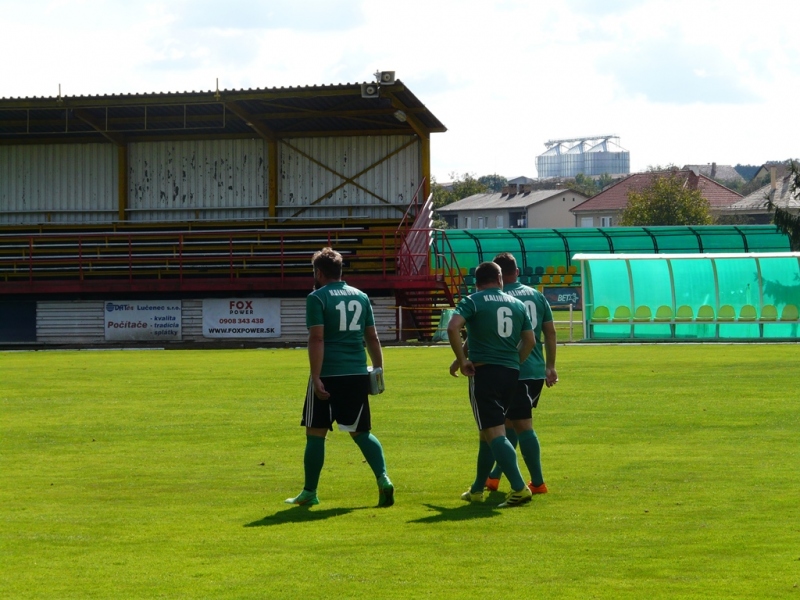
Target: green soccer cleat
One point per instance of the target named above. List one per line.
(385, 493)
(517, 498)
(305, 498)
(470, 496)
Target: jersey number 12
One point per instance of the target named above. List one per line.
(355, 309)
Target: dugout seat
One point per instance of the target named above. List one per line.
(705, 313)
(726, 313)
(622, 314)
(789, 313)
(748, 313)
(572, 270)
(663, 314)
(568, 279)
(550, 270)
(643, 314)
(545, 279)
(600, 314)
(684, 313)
(769, 313)
(561, 270)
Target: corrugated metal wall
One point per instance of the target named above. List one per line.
(305, 184)
(58, 183)
(81, 322)
(198, 180)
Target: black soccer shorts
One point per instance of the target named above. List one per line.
(348, 404)
(491, 391)
(526, 398)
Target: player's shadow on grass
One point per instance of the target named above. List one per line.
(466, 512)
(301, 514)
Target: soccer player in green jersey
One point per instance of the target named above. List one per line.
(340, 322)
(500, 338)
(534, 373)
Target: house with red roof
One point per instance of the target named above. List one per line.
(605, 209)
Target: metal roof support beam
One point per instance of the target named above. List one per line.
(350, 180)
(424, 135)
(115, 139)
(254, 124)
(272, 186)
(122, 182)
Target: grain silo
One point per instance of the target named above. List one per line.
(549, 164)
(590, 155)
(573, 159)
(607, 157)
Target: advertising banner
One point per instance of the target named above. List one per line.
(564, 296)
(241, 317)
(143, 320)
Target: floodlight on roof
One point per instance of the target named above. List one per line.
(400, 116)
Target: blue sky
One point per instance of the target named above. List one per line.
(679, 81)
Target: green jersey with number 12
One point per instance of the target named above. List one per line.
(539, 312)
(345, 312)
(495, 322)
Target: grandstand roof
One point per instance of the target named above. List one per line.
(271, 113)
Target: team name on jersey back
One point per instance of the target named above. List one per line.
(522, 291)
(495, 298)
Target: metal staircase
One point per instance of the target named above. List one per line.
(430, 282)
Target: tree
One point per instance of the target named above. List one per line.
(666, 201)
(461, 187)
(787, 222)
(493, 182)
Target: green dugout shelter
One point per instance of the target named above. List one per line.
(537, 249)
(701, 297)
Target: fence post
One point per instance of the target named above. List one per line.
(570, 321)
(399, 324)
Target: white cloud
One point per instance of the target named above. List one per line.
(679, 81)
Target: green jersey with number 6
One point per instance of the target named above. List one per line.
(539, 312)
(345, 312)
(494, 323)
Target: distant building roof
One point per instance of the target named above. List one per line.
(522, 180)
(781, 168)
(781, 196)
(715, 171)
(493, 201)
(615, 197)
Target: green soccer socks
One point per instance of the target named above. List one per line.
(506, 457)
(531, 453)
(485, 462)
(373, 451)
(512, 437)
(313, 460)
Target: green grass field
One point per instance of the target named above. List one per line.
(673, 471)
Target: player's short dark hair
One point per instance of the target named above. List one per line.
(507, 263)
(329, 262)
(487, 272)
